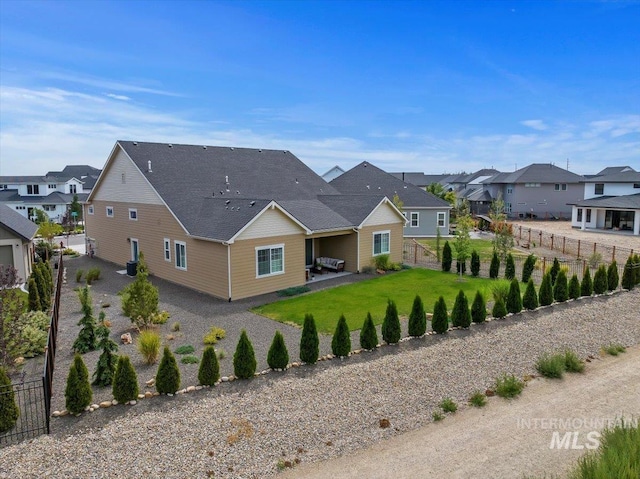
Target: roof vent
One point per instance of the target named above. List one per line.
(149, 166)
(252, 203)
(204, 147)
(135, 143)
(368, 187)
(227, 202)
(365, 164)
(260, 150)
(170, 145)
(226, 179)
(405, 187)
(231, 148)
(237, 192)
(296, 181)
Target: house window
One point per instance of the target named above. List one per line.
(49, 207)
(507, 207)
(133, 214)
(167, 249)
(109, 211)
(532, 185)
(588, 215)
(124, 178)
(181, 255)
(53, 186)
(3, 187)
(636, 185)
(269, 260)
(381, 242)
(90, 209)
(21, 207)
(33, 189)
(561, 187)
(599, 189)
(509, 190)
(72, 189)
(579, 217)
(441, 218)
(414, 219)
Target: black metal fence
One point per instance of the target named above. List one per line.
(33, 397)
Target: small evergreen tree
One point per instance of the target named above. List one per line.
(140, 298)
(417, 318)
(244, 359)
(574, 287)
(278, 356)
(125, 381)
(545, 294)
(106, 367)
(528, 267)
(628, 275)
(586, 286)
(368, 334)
(34, 296)
(45, 270)
(475, 263)
(612, 276)
(530, 298)
(514, 298)
(478, 308)
(460, 314)
(447, 257)
(309, 342)
(440, 319)
(43, 289)
(391, 324)
(555, 269)
(560, 289)
(600, 280)
(510, 268)
(168, 375)
(9, 411)
(209, 370)
(78, 393)
(494, 269)
(499, 309)
(86, 340)
(341, 341)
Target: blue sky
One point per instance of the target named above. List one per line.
(409, 86)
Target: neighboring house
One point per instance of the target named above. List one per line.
(425, 213)
(332, 173)
(231, 222)
(16, 241)
(52, 193)
(611, 201)
(540, 190)
(470, 188)
(419, 179)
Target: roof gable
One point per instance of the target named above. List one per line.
(536, 173)
(17, 223)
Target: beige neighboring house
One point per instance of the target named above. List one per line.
(231, 222)
(16, 241)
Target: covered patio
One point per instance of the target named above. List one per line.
(608, 213)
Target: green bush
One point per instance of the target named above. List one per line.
(175, 327)
(560, 288)
(309, 342)
(34, 331)
(106, 367)
(574, 287)
(437, 416)
(554, 270)
(43, 287)
(440, 319)
(494, 268)
(586, 286)
(614, 349)
(189, 359)
(168, 375)
(9, 411)
(530, 298)
(391, 324)
(448, 405)
(86, 340)
(628, 275)
(34, 296)
(93, 275)
(500, 290)
(209, 370)
(244, 359)
(184, 349)
(368, 334)
(510, 268)
(293, 291)
(417, 318)
(528, 267)
(545, 295)
(149, 345)
(460, 314)
(140, 298)
(600, 280)
(613, 278)
(514, 299)
(278, 356)
(341, 341)
(478, 399)
(478, 308)
(79, 273)
(125, 381)
(475, 263)
(508, 386)
(572, 362)
(382, 262)
(499, 309)
(214, 335)
(447, 257)
(551, 366)
(78, 393)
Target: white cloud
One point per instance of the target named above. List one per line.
(535, 124)
(118, 97)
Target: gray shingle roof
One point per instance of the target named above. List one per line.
(355, 208)
(609, 170)
(617, 177)
(619, 202)
(537, 173)
(316, 215)
(17, 223)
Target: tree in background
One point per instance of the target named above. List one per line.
(398, 203)
(555, 269)
(528, 267)
(34, 296)
(309, 342)
(502, 231)
(12, 306)
(494, 268)
(510, 268)
(368, 334)
(447, 257)
(475, 263)
(75, 207)
(441, 192)
(463, 241)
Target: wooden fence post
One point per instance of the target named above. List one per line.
(541, 239)
(415, 254)
(551, 242)
(564, 241)
(594, 247)
(578, 249)
(544, 265)
(529, 236)
(613, 256)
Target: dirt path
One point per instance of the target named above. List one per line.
(494, 441)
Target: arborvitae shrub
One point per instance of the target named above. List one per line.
(612, 276)
(545, 294)
(555, 269)
(45, 301)
(600, 280)
(309, 342)
(586, 286)
(9, 411)
(341, 341)
(417, 318)
(460, 315)
(209, 370)
(475, 263)
(440, 319)
(368, 334)
(244, 359)
(560, 288)
(478, 308)
(530, 298)
(168, 375)
(628, 274)
(278, 356)
(125, 381)
(499, 309)
(494, 269)
(106, 367)
(34, 296)
(447, 257)
(574, 287)
(510, 268)
(78, 392)
(514, 298)
(86, 340)
(528, 267)
(391, 324)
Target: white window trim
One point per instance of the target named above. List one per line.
(176, 244)
(269, 247)
(167, 249)
(90, 209)
(135, 211)
(373, 242)
(417, 217)
(112, 211)
(441, 216)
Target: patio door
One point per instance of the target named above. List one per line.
(134, 249)
(308, 252)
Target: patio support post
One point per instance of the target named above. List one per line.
(636, 223)
(583, 226)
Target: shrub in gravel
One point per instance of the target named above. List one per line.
(560, 288)
(530, 298)
(475, 263)
(460, 315)
(214, 335)
(106, 367)
(309, 342)
(572, 362)
(149, 345)
(478, 399)
(278, 356)
(551, 366)
(574, 287)
(391, 324)
(448, 405)
(600, 280)
(93, 275)
(86, 340)
(554, 270)
(189, 359)
(508, 386)
(613, 279)
(437, 416)
(510, 268)
(140, 298)
(368, 334)
(184, 349)
(341, 341)
(528, 267)
(417, 318)
(168, 375)
(244, 359)
(614, 349)
(447, 257)
(9, 411)
(34, 296)
(586, 286)
(628, 275)
(440, 318)
(545, 294)
(514, 299)
(79, 274)
(494, 268)
(125, 381)
(78, 393)
(478, 308)
(499, 310)
(209, 370)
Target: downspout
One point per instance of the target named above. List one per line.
(357, 249)
(229, 269)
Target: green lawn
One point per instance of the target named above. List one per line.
(354, 300)
(482, 246)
